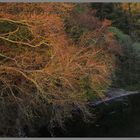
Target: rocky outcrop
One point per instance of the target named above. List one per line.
(115, 94)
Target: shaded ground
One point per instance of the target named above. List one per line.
(118, 116)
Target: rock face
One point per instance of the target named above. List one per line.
(115, 95)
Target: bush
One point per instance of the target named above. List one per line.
(127, 73)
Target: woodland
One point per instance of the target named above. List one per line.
(55, 58)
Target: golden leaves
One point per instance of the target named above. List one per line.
(48, 62)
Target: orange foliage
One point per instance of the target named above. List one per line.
(46, 69)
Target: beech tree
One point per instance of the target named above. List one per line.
(43, 71)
